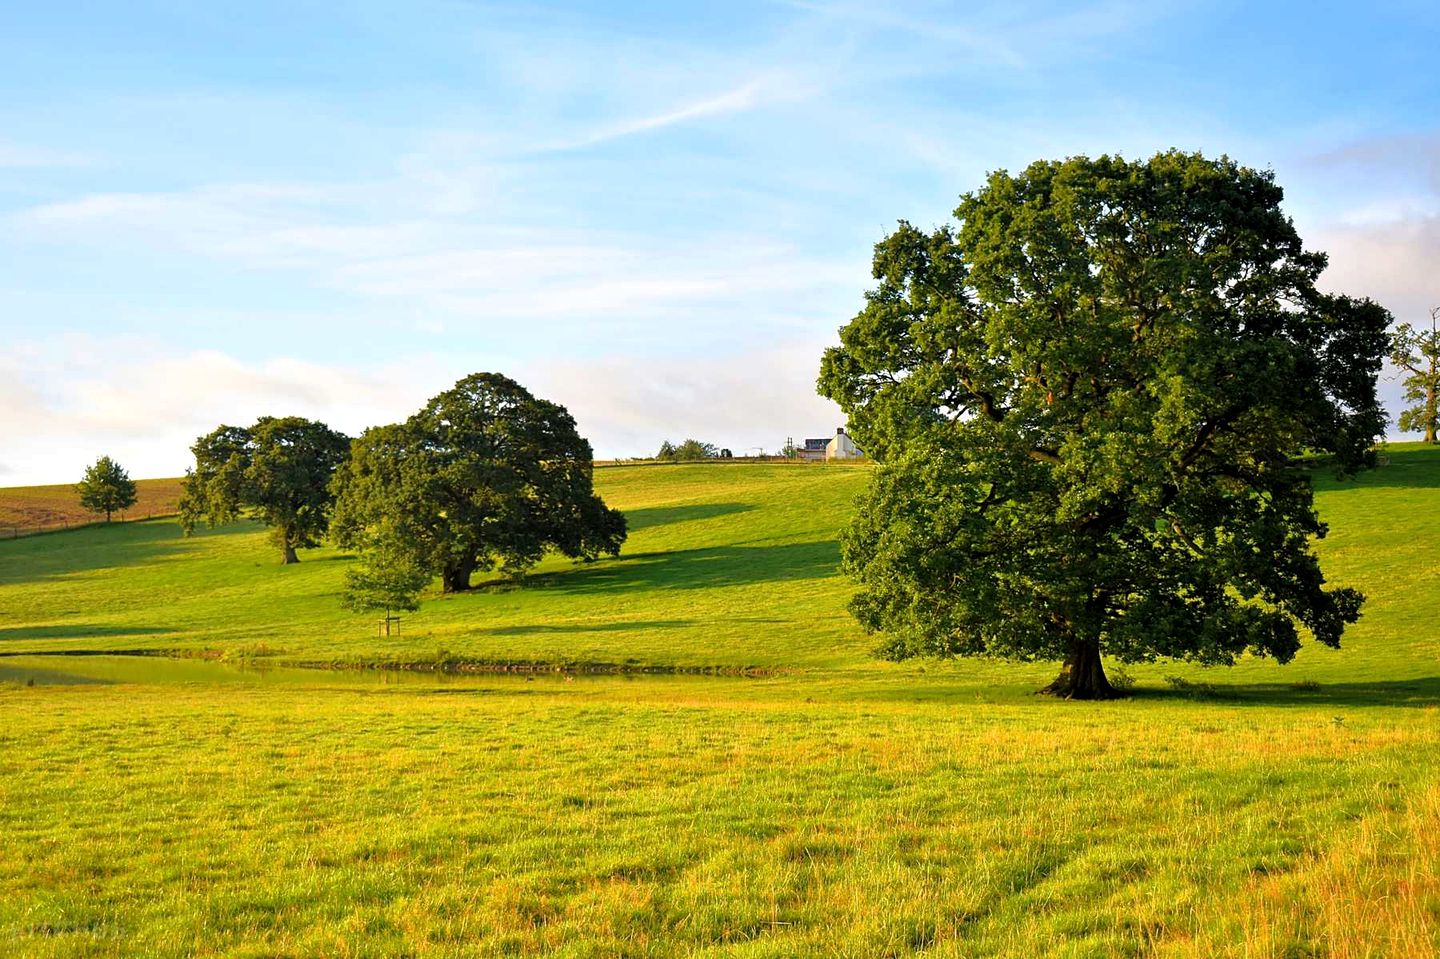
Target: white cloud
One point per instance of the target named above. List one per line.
(1392, 261)
(741, 400)
(63, 411)
(146, 405)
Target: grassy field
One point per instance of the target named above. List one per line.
(829, 805)
(30, 509)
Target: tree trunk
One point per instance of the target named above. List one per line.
(290, 556)
(455, 577)
(1430, 410)
(107, 516)
(1083, 675)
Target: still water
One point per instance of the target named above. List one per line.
(161, 670)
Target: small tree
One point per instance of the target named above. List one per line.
(106, 488)
(387, 577)
(280, 468)
(667, 451)
(1417, 354)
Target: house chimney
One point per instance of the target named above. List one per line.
(839, 431)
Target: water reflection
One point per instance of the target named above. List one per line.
(59, 670)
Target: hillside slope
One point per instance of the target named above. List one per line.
(31, 509)
(727, 566)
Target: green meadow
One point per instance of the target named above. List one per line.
(721, 768)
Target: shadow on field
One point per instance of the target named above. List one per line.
(637, 519)
(1408, 469)
(620, 627)
(700, 568)
(1399, 692)
(51, 555)
(11, 634)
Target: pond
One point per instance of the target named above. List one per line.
(61, 670)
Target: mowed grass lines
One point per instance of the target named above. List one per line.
(655, 818)
(28, 509)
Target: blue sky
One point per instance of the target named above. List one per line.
(655, 213)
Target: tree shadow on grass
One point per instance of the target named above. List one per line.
(1408, 469)
(55, 555)
(1414, 693)
(616, 627)
(705, 568)
(638, 519)
(12, 634)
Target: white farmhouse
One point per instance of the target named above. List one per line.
(842, 447)
(838, 447)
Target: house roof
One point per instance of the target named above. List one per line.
(817, 444)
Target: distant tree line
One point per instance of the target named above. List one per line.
(686, 451)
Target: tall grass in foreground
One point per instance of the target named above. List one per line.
(1374, 893)
(656, 819)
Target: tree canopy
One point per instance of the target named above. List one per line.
(1091, 401)
(1417, 354)
(485, 476)
(280, 469)
(106, 488)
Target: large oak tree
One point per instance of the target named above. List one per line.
(485, 476)
(279, 469)
(1096, 402)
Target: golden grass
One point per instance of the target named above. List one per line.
(717, 817)
(32, 509)
(1374, 893)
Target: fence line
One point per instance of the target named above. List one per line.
(17, 530)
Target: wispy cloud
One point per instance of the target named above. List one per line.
(660, 221)
(984, 43)
(744, 97)
(491, 271)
